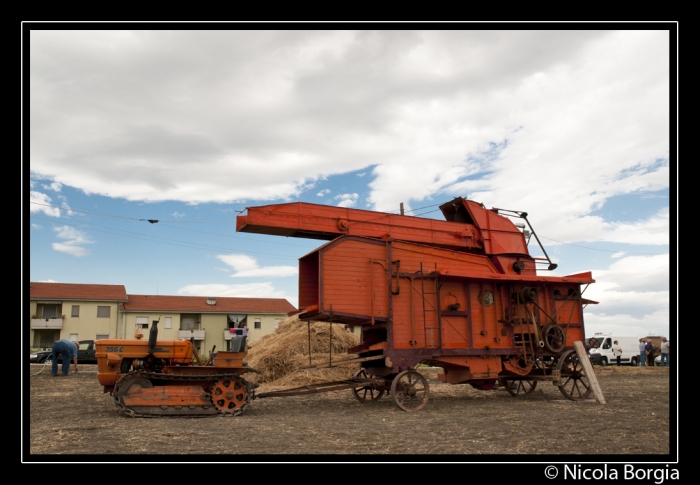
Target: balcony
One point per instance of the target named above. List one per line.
(188, 334)
(47, 323)
(230, 333)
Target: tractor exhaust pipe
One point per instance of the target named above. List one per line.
(152, 337)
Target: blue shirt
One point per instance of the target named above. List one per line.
(71, 346)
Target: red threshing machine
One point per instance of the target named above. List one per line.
(462, 294)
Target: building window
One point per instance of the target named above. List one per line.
(277, 322)
(75, 311)
(168, 322)
(188, 323)
(103, 311)
(101, 336)
(141, 323)
(74, 337)
(257, 323)
(49, 312)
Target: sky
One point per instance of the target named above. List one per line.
(189, 127)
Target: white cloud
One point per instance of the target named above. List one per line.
(654, 323)
(38, 202)
(655, 230)
(361, 174)
(55, 186)
(633, 297)
(636, 273)
(323, 192)
(73, 241)
(309, 104)
(619, 254)
(251, 290)
(36, 226)
(247, 266)
(347, 200)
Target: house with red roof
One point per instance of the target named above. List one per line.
(73, 311)
(210, 321)
(88, 311)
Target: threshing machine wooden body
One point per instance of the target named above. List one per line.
(462, 294)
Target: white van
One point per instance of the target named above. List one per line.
(603, 353)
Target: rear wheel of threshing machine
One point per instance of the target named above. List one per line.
(365, 394)
(574, 383)
(518, 387)
(410, 390)
(230, 396)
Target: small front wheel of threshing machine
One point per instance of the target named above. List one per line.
(410, 390)
(518, 387)
(365, 394)
(574, 383)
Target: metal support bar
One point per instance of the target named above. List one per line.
(330, 335)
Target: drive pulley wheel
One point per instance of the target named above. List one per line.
(519, 387)
(229, 395)
(410, 390)
(554, 338)
(574, 383)
(130, 385)
(365, 394)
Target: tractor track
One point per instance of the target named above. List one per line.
(192, 411)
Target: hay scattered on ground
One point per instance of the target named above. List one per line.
(627, 369)
(280, 356)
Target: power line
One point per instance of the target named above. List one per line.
(152, 221)
(593, 249)
(186, 244)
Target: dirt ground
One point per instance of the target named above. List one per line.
(72, 416)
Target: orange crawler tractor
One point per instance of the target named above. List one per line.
(158, 378)
(462, 294)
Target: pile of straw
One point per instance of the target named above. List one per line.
(279, 356)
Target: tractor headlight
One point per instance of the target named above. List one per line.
(33, 356)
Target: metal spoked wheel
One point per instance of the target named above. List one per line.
(519, 387)
(574, 383)
(365, 394)
(410, 390)
(554, 338)
(229, 395)
(130, 385)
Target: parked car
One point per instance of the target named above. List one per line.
(86, 354)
